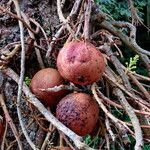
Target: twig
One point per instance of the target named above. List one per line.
(80, 18)
(20, 134)
(121, 72)
(10, 122)
(117, 65)
(141, 87)
(129, 42)
(144, 78)
(38, 54)
(87, 20)
(63, 3)
(67, 141)
(44, 33)
(47, 137)
(111, 102)
(9, 55)
(138, 76)
(55, 37)
(145, 85)
(107, 123)
(122, 24)
(138, 99)
(80, 25)
(61, 141)
(61, 87)
(110, 38)
(7, 47)
(20, 83)
(132, 28)
(107, 142)
(136, 20)
(134, 120)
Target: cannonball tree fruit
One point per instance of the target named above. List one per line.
(79, 112)
(47, 78)
(80, 62)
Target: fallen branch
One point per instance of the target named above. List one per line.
(20, 83)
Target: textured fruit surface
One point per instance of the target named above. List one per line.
(47, 78)
(79, 112)
(80, 62)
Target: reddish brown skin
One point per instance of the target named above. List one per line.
(79, 112)
(95, 130)
(80, 62)
(47, 78)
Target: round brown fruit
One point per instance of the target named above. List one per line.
(79, 112)
(80, 62)
(47, 78)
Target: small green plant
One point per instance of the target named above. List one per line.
(146, 147)
(92, 142)
(87, 139)
(27, 81)
(132, 65)
(120, 114)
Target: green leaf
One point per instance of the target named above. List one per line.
(132, 63)
(146, 147)
(27, 81)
